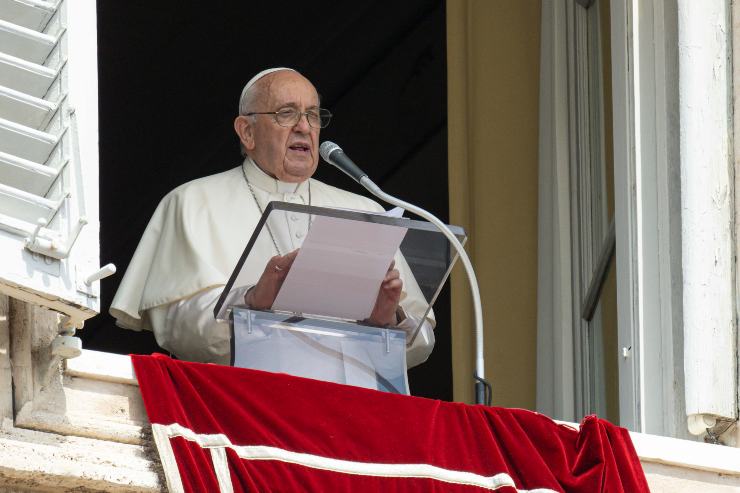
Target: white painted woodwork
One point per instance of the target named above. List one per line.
(25, 142)
(658, 208)
(46, 271)
(26, 175)
(21, 75)
(49, 154)
(26, 206)
(625, 215)
(25, 109)
(707, 195)
(660, 74)
(31, 14)
(25, 43)
(647, 215)
(105, 271)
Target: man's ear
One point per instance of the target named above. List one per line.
(245, 130)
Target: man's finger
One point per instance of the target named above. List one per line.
(292, 254)
(273, 265)
(289, 259)
(393, 284)
(392, 274)
(281, 263)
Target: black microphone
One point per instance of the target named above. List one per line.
(333, 154)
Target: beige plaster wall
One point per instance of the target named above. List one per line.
(493, 86)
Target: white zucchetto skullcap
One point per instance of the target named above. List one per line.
(257, 77)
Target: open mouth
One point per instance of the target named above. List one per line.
(299, 147)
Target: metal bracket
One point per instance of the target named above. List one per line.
(49, 246)
(102, 273)
(84, 284)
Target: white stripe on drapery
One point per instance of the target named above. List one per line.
(221, 466)
(261, 452)
(167, 457)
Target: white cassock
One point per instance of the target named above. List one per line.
(191, 246)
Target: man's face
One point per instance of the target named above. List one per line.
(290, 154)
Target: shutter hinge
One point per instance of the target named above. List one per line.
(52, 247)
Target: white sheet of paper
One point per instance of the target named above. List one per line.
(395, 212)
(339, 268)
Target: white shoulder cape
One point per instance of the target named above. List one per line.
(194, 239)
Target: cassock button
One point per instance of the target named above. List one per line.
(293, 217)
(299, 234)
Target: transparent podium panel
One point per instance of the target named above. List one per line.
(342, 257)
(325, 299)
(332, 351)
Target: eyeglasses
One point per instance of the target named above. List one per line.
(288, 117)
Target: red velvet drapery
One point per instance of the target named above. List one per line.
(217, 426)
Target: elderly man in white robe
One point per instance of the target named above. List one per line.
(199, 230)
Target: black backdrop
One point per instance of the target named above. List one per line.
(170, 74)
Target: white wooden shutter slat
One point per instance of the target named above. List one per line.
(21, 75)
(26, 175)
(33, 14)
(26, 206)
(25, 142)
(25, 43)
(17, 227)
(25, 109)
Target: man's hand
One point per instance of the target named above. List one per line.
(262, 295)
(384, 312)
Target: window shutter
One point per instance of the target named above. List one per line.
(49, 154)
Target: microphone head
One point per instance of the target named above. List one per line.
(327, 148)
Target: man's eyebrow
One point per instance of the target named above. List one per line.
(295, 105)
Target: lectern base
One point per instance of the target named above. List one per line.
(328, 350)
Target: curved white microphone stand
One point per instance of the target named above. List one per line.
(482, 387)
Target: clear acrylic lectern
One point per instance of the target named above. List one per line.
(317, 327)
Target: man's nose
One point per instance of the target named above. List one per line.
(302, 124)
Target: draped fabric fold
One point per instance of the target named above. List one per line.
(220, 428)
